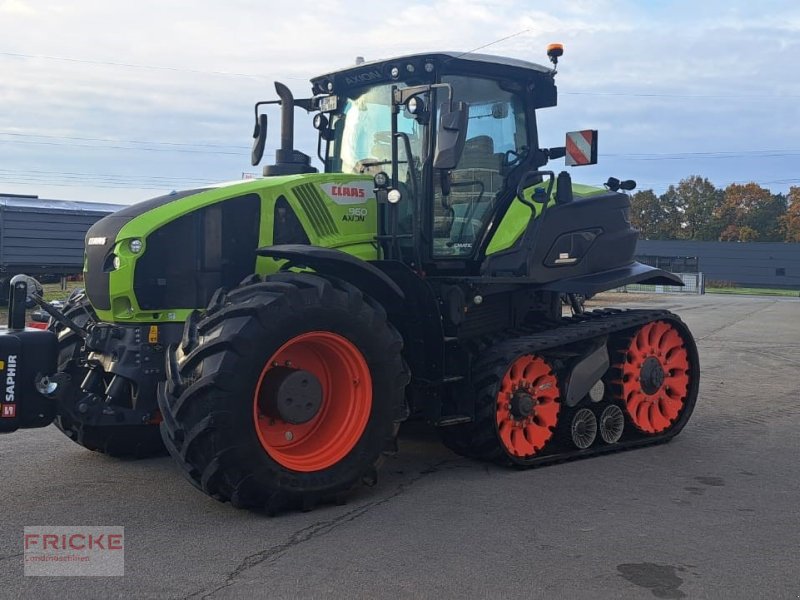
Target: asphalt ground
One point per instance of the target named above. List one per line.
(713, 514)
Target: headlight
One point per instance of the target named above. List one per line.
(111, 263)
(135, 246)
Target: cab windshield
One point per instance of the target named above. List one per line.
(362, 142)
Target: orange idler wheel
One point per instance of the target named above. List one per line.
(655, 377)
(527, 406)
(339, 407)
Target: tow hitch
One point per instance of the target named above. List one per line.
(28, 364)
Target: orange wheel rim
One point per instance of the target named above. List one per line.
(346, 403)
(527, 406)
(655, 377)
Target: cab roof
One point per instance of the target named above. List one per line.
(456, 62)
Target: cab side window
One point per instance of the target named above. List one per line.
(496, 135)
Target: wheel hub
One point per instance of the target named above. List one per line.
(521, 405)
(293, 395)
(652, 375)
(527, 406)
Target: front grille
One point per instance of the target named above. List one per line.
(96, 277)
(187, 259)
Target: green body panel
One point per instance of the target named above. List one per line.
(519, 215)
(336, 211)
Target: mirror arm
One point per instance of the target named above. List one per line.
(307, 104)
(557, 152)
(401, 96)
(263, 103)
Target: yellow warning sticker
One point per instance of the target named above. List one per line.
(2, 365)
(152, 337)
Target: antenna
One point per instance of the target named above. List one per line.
(502, 39)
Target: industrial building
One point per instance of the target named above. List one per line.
(745, 264)
(44, 238)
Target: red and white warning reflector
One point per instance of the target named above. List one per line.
(581, 148)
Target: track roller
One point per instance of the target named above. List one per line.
(584, 428)
(612, 423)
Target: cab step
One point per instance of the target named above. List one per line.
(448, 420)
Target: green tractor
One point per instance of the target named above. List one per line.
(273, 334)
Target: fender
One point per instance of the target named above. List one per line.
(411, 303)
(594, 283)
(360, 273)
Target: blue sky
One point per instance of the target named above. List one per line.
(115, 102)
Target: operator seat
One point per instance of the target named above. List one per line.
(475, 184)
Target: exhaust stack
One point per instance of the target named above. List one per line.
(288, 161)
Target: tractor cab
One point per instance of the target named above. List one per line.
(446, 137)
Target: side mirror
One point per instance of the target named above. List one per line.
(450, 137)
(581, 148)
(259, 139)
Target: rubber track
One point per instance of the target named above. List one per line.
(479, 439)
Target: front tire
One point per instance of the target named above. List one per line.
(219, 402)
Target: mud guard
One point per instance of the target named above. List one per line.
(411, 303)
(340, 264)
(594, 283)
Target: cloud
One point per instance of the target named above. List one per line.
(653, 77)
(17, 7)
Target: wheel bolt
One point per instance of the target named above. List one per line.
(289, 436)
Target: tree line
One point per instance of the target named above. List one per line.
(696, 210)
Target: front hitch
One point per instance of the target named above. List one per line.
(28, 365)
